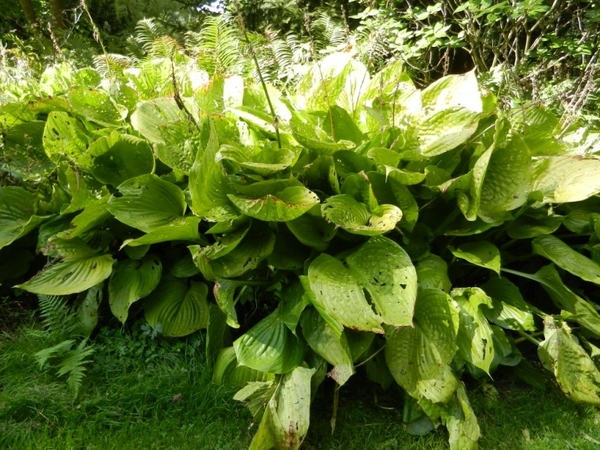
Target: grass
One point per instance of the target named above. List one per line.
(157, 394)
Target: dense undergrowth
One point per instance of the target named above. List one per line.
(423, 237)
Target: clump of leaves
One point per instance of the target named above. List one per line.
(368, 224)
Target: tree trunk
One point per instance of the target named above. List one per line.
(30, 14)
(58, 13)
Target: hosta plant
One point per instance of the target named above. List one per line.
(354, 223)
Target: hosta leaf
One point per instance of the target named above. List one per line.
(116, 158)
(507, 181)
(509, 310)
(130, 281)
(432, 273)
(282, 206)
(325, 342)
(575, 371)
(447, 129)
(340, 126)
(96, 105)
(227, 371)
(17, 214)
(480, 253)
(208, 184)
(583, 312)
(183, 229)
(70, 276)
(224, 292)
(310, 135)
(527, 227)
(339, 298)
(453, 91)
(269, 346)
(290, 409)
(563, 179)
(23, 152)
(312, 229)
(475, 335)
(265, 162)
(386, 272)
(94, 214)
(147, 202)
(63, 137)
(345, 212)
(390, 189)
(418, 357)
(247, 255)
(177, 308)
(566, 258)
(461, 422)
(175, 137)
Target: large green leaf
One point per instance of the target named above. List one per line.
(76, 273)
(269, 346)
(176, 139)
(507, 181)
(480, 253)
(63, 137)
(575, 371)
(325, 342)
(23, 154)
(17, 214)
(263, 161)
(96, 105)
(147, 202)
(566, 258)
(115, 158)
(446, 129)
(183, 229)
(453, 91)
(290, 409)
(432, 273)
(339, 297)
(474, 338)
(208, 184)
(345, 212)
(177, 308)
(563, 179)
(312, 230)
(282, 206)
(130, 281)
(583, 312)
(246, 255)
(509, 309)
(418, 357)
(386, 272)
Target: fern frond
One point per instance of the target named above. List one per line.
(147, 31)
(60, 349)
(75, 365)
(217, 47)
(328, 32)
(163, 47)
(57, 316)
(110, 62)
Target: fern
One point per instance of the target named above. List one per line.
(217, 47)
(146, 32)
(67, 357)
(57, 316)
(57, 350)
(74, 364)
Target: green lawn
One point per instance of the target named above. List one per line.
(129, 400)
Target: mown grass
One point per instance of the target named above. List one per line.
(157, 394)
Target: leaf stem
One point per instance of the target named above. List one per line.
(529, 337)
(260, 76)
